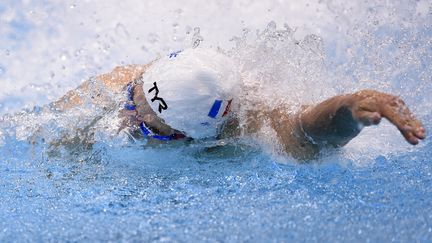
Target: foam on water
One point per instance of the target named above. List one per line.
(375, 189)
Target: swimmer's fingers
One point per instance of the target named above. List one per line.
(371, 105)
(412, 132)
(395, 110)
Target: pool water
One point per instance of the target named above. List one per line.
(170, 195)
(377, 188)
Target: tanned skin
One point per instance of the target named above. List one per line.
(333, 122)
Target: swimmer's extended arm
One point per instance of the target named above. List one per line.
(113, 82)
(339, 119)
(96, 91)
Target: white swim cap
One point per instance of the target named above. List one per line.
(192, 90)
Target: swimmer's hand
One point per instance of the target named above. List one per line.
(369, 106)
(339, 119)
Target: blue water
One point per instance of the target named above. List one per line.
(376, 189)
(230, 194)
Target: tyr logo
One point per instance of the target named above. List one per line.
(162, 104)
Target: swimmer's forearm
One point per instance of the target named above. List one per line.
(330, 122)
(121, 76)
(70, 99)
(113, 82)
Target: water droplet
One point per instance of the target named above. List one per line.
(289, 30)
(7, 52)
(245, 31)
(79, 52)
(105, 47)
(188, 29)
(121, 30)
(37, 109)
(153, 38)
(178, 11)
(72, 6)
(196, 38)
(271, 26)
(64, 56)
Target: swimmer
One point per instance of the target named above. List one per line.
(193, 94)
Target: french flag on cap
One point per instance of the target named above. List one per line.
(220, 108)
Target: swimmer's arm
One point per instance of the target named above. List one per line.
(339, 119)
(113, 82)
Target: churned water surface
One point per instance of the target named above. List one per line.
(376, 189)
